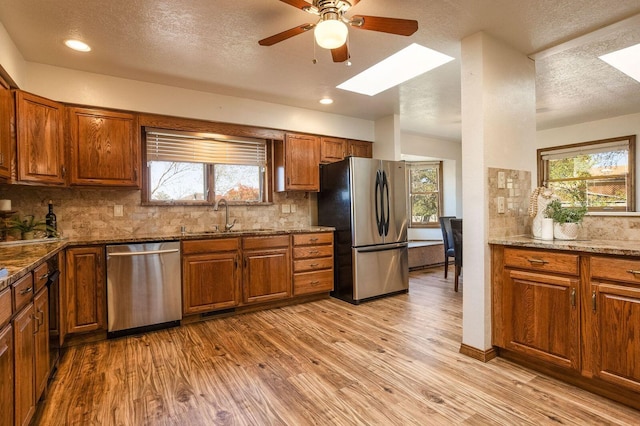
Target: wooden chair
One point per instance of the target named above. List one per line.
(447, 240)
(456, 231)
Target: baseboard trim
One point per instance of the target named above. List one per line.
(480, 355)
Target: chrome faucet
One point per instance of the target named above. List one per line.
(227, 225)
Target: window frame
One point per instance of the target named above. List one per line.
(631, 174)
(209, 200)
(415, 165)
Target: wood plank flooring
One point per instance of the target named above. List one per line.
(393, 361)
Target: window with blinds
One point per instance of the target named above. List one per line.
(201, 168)
(597, 174)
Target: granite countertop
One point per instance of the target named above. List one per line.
(615, 247)
(19, 259)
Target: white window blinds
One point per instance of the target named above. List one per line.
(562, 153)
(188, 147)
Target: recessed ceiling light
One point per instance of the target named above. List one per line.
(404, 65)
(326, 101)
(626, 60)
(77, 45)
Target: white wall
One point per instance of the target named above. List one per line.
(387, 142)
(450, 153)
(66, 85)
(624, 125)
(10, 57)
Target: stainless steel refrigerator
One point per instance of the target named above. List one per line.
(366, 201)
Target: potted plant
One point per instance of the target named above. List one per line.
(566, 219)
(27, 226)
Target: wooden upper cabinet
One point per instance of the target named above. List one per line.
(332, 149)
(297, 163)
(360, 149)
(6, 116)
(40, 140)
(104, 147)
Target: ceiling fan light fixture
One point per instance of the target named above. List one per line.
(331, 34)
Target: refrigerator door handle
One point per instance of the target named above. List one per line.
(385, 187)
(378, 193)
(381, 247)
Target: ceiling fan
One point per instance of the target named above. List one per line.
(331, 30)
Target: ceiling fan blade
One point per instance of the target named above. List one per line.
(277, 38)
(300, 4)
(404, 27)
(354, 2)
(340, 54)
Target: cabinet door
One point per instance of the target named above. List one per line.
(6, 373)
(541, 316)
(332, 149)
(617, 334)
(6, 107)
(210, 282)
(104, 148)
(266, 275)
(302, 162)
(40, 139)
(41, 341)
(85, 290)
(23, 326)
(361, 149)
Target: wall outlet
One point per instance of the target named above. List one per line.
(294, 208)
(286, 208)
(500, 205)
(118, 210)
(501, 180)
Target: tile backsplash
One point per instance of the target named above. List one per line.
(84, 212)
(517, 189)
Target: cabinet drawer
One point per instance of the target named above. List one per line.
(312, 264)
(309, 239)
(616, 269)
(5, 306)
(40, 276)
(208, 246)
(541, 260)
(22, 292)
(312, 251)
(265, 242)
(312, 282)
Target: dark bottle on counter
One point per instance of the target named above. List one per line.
(52, 223)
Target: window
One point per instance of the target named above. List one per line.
(425, 193)
(598, 174)
(200, 168)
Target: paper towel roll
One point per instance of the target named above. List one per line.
(547, 229)
(5, 205)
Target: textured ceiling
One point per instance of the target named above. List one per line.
(213, 46)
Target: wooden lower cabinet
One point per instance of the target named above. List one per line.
(6, 375)
(41, 341)
(575, 316)
(266, 274)
(24, 401)
(312, 263)
(211, 278)
(85, 292)
(542, 316)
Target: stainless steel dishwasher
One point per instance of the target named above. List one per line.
(143, 287)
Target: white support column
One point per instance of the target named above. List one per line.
(498, 130)
(387, 144)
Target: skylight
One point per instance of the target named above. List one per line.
(626, 60)
(404, 65)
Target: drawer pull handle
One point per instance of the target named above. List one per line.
(313, 240)
(26, 290)
(314, 252)
(573, 297)
(537, 261)
(43, 276)
(313, 265)
(593, 301)
(632, 271)
(316, 282)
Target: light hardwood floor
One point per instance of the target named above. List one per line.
(394, 361)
